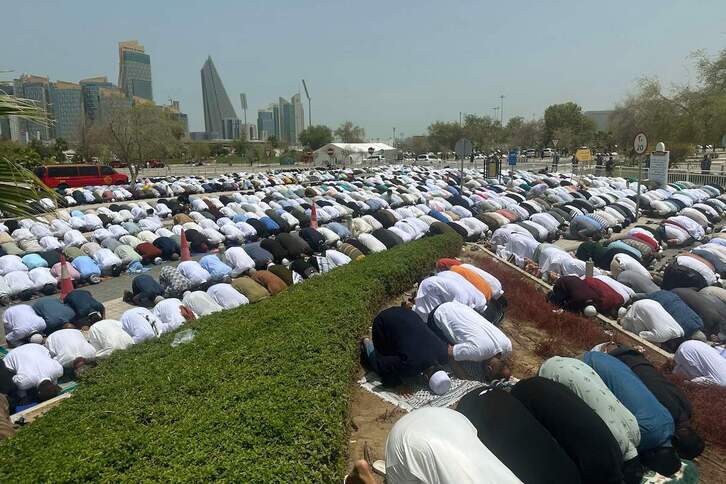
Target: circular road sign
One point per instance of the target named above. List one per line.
(463, 148)
(640, 144)
(371, 150)
(331, 151)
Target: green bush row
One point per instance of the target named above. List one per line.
(260, 395)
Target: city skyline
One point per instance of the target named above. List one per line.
(412, 67)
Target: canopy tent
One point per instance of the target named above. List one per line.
(353, 152)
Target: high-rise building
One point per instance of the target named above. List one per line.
(231, 128)
(175, 112)
(111, 100)
(89, 89)
(299, 116)
(265, 123)
(249, 130)
(218, 110)
(134, 70)
(66, 110)
(35, 88)
(287, 122)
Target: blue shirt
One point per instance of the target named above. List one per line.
(215, 267)
(86, 266)
(686, 317)
(439, 216)
(270, 224)
(34, 260)
(655, 422)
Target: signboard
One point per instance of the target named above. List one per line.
(583, 154)
(512, 157)
(640, 144)
(723, 141)
(371, 150)
(331, 152)
(658, 171)
(555, 142)
(463, 148)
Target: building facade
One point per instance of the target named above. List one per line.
(66, 101)
(35, 88)
(298, 117)
(111, 100)
(218, 110)
(89, 90)
(134, 71)
(174, 110)
(265, 124)
(6, 87)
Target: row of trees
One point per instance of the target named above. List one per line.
(681, 116)
(563, 122)
(313, 137)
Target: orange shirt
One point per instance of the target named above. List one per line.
(475, 279)
(270, 281)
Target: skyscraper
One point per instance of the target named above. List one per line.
(6, 87)
(89, 89)
(134, 70)
(35, 88)
(287, 121)
(218, 110)
(111, 100)
(299, 117)
(66, 110)
(265, 123)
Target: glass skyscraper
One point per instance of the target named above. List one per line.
(219, 114)
(66, 110)
(265, 123)
(134, 71)
(89, 89)
(35, 88)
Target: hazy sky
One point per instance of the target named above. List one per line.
(378, 63)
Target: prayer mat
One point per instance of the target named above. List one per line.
(421, 395)
(688, 474)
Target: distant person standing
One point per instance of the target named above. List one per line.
(574, 162)
(706, 164)
(555, 161)
(610, 166)
(598, 164)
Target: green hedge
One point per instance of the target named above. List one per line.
(260, 395)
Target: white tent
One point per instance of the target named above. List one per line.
(353, 152)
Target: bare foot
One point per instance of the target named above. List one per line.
(361, 474)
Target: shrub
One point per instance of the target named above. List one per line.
(260, 395)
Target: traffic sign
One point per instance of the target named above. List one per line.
(371, 150)
(640, 144)
(463, 148)
(555, 142)
(512, 157)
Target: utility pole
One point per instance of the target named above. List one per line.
(459, 118)
(394, 136)
(501, 110)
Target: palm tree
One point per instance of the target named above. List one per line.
(18, 185)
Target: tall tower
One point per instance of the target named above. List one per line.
(134, 70)
(218, 111)
(299, 115)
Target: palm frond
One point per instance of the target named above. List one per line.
(23, 108)
(18, 188)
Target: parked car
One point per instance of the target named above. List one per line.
(548, 153)
(530, 153)
(155, 164)
(376, 158)
(427, 157)
(119, 164)
(80, 175)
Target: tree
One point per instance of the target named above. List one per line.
(348, 132)
(217, 149)
(59, 146)
(40, 148)
(568, 116)
(138, 134)
(199, 150)
(524, 134)
(314, 137)
(484, 132)
(443, 135)
(20, 154)
(241, 145)
(18, 185)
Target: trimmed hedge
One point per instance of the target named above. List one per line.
(260, 395)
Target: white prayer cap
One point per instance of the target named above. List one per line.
(37, 338)
(621, 312)
(439, 382)
(590, 311)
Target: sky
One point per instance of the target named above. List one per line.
(379, 64)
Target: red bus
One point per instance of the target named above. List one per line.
(65, 176)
